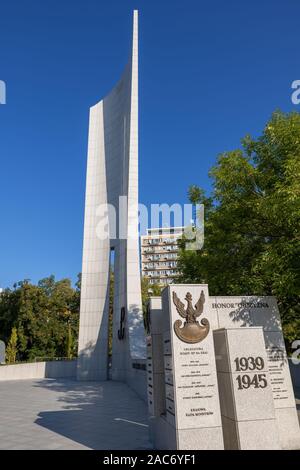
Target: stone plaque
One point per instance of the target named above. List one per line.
(191, 388)
(247, 311)
(247, 407)
(155, 366)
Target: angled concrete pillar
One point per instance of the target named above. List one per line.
(112, 171)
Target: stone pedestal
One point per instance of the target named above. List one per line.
(248, 311)
(192, 418)
(155, 365)
(247, 407)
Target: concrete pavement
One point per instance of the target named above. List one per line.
(66, 414)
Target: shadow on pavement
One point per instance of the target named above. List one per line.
(98, 415)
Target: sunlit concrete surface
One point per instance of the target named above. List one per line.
(65, 414)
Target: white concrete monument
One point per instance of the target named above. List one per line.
(191, 417)
(247, 406)
(255, 389)
(247, 311)
(155, 365)
(112, 172)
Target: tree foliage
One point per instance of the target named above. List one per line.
(252, 222)
(12, 347)
(45, 317)
(42, 321)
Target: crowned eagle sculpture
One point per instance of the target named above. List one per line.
(192, 331)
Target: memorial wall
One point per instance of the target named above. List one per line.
(225, 379)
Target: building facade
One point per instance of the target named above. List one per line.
(159, 254)
(112, 173)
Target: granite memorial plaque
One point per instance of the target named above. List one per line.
(155, 364)
(246, 311)
(247, 406)
(192, 408)
(155, 367)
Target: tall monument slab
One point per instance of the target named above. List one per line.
(112, 172)
(254, 385)
(247, 405)
(191, 417)
(253, 311)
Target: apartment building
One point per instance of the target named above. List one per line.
(159, 253)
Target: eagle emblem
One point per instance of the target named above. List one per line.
(192, 331)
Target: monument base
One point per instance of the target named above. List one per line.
(164, 436)
(254, 385)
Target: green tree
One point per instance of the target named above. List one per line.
(252, 222)
(45, 315)
(195, 195)
(69, 342)
(12, 347)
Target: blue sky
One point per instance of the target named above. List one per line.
(210, 72)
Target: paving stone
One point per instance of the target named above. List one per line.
(65, 414)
